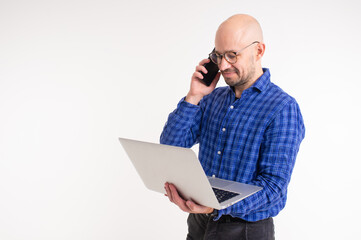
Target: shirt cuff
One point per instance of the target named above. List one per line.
(186, 109)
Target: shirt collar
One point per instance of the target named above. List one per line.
(263, 81)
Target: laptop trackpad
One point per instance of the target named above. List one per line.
(218, 183)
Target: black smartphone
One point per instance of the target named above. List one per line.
(212, 69)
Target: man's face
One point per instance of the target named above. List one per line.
(241, 72)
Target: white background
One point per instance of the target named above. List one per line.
(76, 74)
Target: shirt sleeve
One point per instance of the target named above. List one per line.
(278, 151)
(183, 125)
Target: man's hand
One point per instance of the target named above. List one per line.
(185, 205)
(198, 89)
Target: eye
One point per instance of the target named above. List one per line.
(231, 56)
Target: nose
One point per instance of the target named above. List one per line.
(224, 64)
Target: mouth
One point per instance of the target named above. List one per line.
(228, 73)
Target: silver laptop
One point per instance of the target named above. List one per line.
(157, 164)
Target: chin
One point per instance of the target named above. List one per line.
(229, 82)
(234, 82)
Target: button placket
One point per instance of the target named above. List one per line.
(223, 129)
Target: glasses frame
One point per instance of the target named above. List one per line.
(224, 54)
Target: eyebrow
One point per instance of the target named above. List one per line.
(235, 51)
(225, 51)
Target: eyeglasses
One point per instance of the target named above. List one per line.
(230, 57)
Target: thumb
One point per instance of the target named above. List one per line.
(216, 79)
(190, 205)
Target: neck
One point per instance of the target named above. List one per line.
(238, 90)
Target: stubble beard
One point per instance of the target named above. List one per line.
(245, 77)
(242, 79)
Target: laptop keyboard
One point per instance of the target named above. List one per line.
(223, 195)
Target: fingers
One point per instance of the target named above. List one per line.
(177, 199)
(197, 75)
(186, 206)
(195, 208)
(168, 192)
(204, 61)
(200, 67)
(216, 79)
(198, 89)
(174, 197)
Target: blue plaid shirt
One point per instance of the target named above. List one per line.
(254, 140)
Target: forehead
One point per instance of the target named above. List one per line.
(228, 40)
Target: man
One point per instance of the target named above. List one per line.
(249, 131)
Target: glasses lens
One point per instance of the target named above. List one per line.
(230, 57)
(214, 58)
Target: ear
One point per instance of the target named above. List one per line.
(261, 47)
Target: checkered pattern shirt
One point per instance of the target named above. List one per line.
(254, 140)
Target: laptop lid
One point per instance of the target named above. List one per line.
(157, 164)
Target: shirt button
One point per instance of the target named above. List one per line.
(219, 152)
(232, 107)
(223, 129)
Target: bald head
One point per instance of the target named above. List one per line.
(239, 29)
(239, 34)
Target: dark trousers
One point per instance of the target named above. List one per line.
(202, 226)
